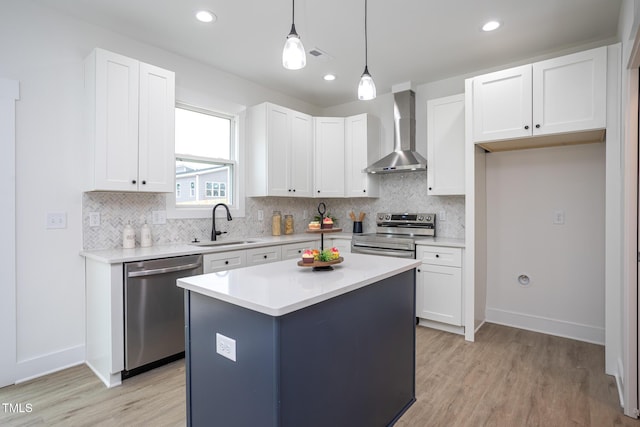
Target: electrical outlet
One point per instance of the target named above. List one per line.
(226, 346)
(442, 216)
(94, 219)
(558, 217)
(260, 215)
(56, 220)
(305, 214)
(159, 217)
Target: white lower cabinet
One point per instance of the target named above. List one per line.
(439, 284)
(294, 250)
(263, 255)
(224, 261)
(343, 245)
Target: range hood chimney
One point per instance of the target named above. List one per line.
(404, 157)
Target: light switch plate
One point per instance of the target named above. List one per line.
(56, 220)
(558, 217)
(159, 217)
(94, 219)
(260, 215)
(226, 346)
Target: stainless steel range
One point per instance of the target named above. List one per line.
(396, 234)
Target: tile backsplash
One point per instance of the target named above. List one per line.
(400, 192)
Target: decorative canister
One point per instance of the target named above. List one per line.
(145, 236)
(288, 224)
(276, 223)
(128, 237)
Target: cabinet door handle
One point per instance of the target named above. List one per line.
(226, 262)
(294, 190)
(526, 127)
(364, 191)
(429, 188)
(318, 191)
(144, 182)
(437, 256)
(289, 190)
(133, 181)
(264, 256)
(419, 270)
(537, 126)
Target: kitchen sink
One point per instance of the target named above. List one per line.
(217, 243)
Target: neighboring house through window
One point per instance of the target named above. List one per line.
(205, 158)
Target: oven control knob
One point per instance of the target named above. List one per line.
(387, 217)
(380, 217)
(428, 218)
(420, 218)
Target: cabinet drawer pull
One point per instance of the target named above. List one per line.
(264, 256)
(537, 126)
(133, 181)
(226, 262)
(437, 255)
(526, 127)
(144, 182)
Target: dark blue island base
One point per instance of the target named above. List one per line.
(347, 361)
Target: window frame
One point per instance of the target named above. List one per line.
(236, 151)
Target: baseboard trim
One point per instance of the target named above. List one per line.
(561, 328)
(441, 326)
(49, 363)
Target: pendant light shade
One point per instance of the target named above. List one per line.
(293, 55)
(366, 87)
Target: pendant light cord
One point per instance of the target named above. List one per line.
(293, 12)
(366, 48)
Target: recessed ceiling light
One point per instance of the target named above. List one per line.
(329, 77)
(490, 26)
(205, 16)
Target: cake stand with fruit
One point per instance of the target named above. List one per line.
(321, 260)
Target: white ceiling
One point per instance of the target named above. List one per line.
(409, 40)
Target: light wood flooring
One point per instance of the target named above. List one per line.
(508, 377)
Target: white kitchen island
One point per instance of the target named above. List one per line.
(311, 348)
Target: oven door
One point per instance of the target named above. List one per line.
(398, 253)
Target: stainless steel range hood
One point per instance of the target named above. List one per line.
(404, 157)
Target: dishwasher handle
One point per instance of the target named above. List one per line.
(142, 273)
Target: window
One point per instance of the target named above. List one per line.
(205, 158)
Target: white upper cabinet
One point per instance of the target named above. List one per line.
(560, 95)
(329, 156)
(570, 93)
(362, 148)
(502, 104)
(131, 122)
(445, 145)
(279, 152)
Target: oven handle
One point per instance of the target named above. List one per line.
(397, 254)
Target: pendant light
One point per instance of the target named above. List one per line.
(293, 55)
(366, 88)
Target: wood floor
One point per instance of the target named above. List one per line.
(508, 377)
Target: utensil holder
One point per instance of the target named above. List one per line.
(357, 227)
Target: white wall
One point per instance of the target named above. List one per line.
(565, 262)
(44, 51)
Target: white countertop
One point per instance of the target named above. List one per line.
(441, 241)
(282, 287)
(119, 255)
(114, 256)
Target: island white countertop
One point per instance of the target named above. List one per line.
(283, 287)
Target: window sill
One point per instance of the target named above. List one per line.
(174, 212)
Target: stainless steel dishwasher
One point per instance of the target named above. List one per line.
(154, 311)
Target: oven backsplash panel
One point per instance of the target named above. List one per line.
(398, 193)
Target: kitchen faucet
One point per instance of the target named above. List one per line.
(214, 233)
